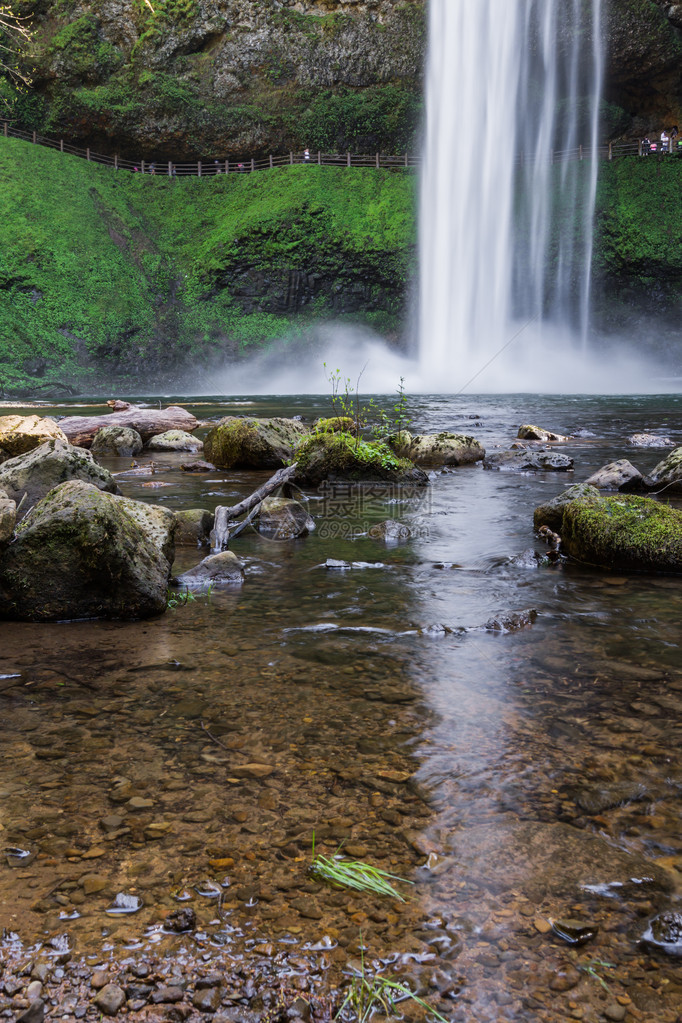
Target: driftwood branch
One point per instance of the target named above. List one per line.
(220, 535)
(81, 430)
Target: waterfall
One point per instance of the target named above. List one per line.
(505, 221)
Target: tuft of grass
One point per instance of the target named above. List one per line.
(370, 992)
(339, 872)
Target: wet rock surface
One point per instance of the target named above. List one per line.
(116, 440)
(621, 475)
(528, 460)
(19, 434)
(56, 461)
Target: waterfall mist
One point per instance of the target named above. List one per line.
(506, 225)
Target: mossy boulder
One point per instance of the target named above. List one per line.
(335, 424)
(19, 434)
(174, 440)
(551, 514)
(668, 473)
(194, 527)
(623, 532)
(83, 553)
(324, 456)
(40, 470)
(253, 443)
(120, 441)
(437, 448)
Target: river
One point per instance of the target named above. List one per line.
(515, 775)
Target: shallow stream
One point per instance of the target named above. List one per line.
(516, 777)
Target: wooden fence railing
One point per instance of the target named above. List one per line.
(246, 165)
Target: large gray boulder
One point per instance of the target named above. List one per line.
(437, 448)
(83, 553)
(40, 470)
(621, 475)
(530, 432)
(253, 443)
(19, 434)
(215, 570)
(194, 527)
(668, 473)
(120, 441)
(174, 440)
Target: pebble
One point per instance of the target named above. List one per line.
(207, 999)
(110, 999)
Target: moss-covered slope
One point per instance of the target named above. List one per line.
(106, 273)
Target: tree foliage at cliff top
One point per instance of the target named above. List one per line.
(138, 276)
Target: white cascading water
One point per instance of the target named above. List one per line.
(506, 226)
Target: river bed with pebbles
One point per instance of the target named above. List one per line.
(161, 781)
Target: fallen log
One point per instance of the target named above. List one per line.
(220, 534)
(81, 430)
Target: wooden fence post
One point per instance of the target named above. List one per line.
(347, 159)
(87, 154)
(198, 168)
(610, 151)
(253, 165)
(319, 158)
(291, 159)
(61, 145)
(170, 169)
(142, 166)
(639, 148)
(271, 163)
(34, 138)
(227, 166)
(378, 164)
(116, 161)
(407, 160)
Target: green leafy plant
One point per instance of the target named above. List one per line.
(179, 598)
(370, 992)
(339, 872)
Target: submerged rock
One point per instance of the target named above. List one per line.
(174, 440)
(625, 533)
(253, 443)
(19, 434)
(283, 518)
(116, 440)
(216, 569)
(40, 470)
(511, 621)
(541, 859)
(525, 460)
(437, 448)
(528, 432)
(390, 531)
(620, 475)
(82, 553)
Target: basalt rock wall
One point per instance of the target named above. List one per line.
(221, 78)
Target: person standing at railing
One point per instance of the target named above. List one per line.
(217, 168)
(306, 156)
(646, 145)
(665, 142)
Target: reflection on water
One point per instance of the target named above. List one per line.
(517, 777)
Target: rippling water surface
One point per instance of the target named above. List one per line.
(515, 777)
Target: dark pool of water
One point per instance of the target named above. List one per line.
(515, 778)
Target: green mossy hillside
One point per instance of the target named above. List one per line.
(116, 275)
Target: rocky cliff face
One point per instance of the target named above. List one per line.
(202, 78)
